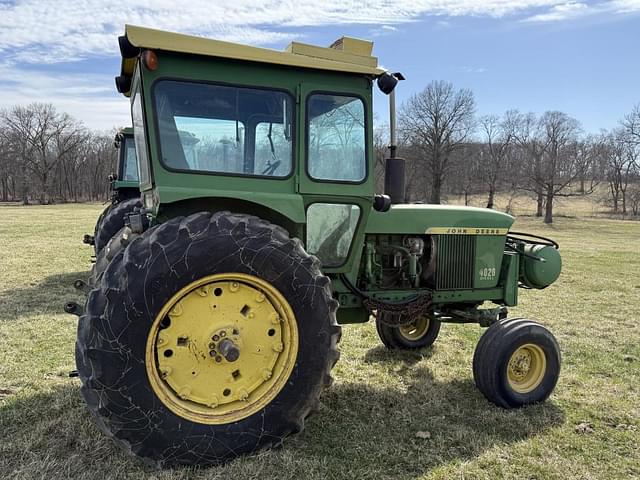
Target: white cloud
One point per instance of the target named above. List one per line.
(561, 12)
(573, 10)
(469, 69)
(36, 32)
(63, 30)
(90, 98)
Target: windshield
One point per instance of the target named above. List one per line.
(129, 171)
(224, 129)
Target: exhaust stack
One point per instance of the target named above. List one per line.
(394, 179)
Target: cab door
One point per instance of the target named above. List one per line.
(334, 174)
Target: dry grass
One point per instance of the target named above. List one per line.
(366, 428)
(590, 206)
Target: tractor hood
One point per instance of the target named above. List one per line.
(439, 219)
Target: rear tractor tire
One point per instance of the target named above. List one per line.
(516, 363)
(208, 337)
(420, 333)
(112, 221)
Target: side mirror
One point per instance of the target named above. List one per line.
(123, 84)
(381, 203)
(388, 81)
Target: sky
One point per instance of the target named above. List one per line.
(580, 57)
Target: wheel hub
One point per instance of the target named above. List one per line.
(416, 329)
(223, 346)
(526, 368)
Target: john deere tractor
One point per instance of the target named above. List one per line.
(213, 330)
(125, 193)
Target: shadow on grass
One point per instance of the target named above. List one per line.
(381, 354)
(378, 425)
(45, 297)
(362, 431)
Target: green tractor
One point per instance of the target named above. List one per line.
(125, 193)
(214, 328)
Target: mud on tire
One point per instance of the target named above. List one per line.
(113, 221)
(110, 348)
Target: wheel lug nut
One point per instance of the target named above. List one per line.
(212, 346)
(223, 333)
(218, 359)
(243, 395)
(212, 353)
(215, 338)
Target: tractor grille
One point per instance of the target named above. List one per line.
(456, 255)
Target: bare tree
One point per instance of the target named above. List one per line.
(621, 164)
(530, 136)
(437, 122)
(42, 137)
(498, 137)
(558, 170)
(631, 123)
(466, 168)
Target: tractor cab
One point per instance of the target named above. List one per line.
(285, 135)
(124, 183)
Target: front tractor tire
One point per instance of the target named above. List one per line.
(516, 363)
(208, 337)
(420, 333)
(112, 220)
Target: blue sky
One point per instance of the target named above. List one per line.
(533, 55)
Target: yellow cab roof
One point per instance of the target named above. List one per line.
(346, 54)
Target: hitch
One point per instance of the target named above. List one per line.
(88, 239)
(485, 317)
(74, 308)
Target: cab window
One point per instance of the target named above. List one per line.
(130, 163)
(224, 129)
(137, 117)
(336, 138)
(330, 231)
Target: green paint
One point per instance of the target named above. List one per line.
(462, 262)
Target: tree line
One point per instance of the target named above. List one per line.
(47, 156)
(449, 150)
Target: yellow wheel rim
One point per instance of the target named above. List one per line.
(222, 348)
(416, 329)
(527, 367)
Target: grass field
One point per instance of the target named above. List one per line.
(366, 428)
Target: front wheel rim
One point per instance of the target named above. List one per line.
(526, 368)
(416, 329)
(221, 348)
